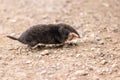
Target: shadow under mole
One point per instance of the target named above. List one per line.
(58, 46)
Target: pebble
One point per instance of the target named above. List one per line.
(12, 34)
(43, 72)
(81, 72)
(28, 62)
(13, 20)
(115, 28)
(100, 53)
(45, 52)
(78, 55)
(98, 41)
(92, 49)
(103, 62)
(42, 61)
(105, 4)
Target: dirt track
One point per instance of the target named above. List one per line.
(97, 56)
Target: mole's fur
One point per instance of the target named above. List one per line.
(46, 34)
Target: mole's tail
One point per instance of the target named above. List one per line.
(11, 37)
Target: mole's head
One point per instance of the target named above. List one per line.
(68, 32)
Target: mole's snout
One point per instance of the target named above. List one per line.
(72, 36)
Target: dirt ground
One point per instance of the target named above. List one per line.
(95, 57)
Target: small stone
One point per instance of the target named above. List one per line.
(105, 4)
(115, 28)
(103, 62)
(43, 72)
(114, 65)
(12, 34)
(81, 72)
(81, 14)
(45, 52)
(92, 49)
(100, 53)
(78, 55)
(28, 62)
(101, 43)
(13, 20)
(29, 52)
(72, 78)
(98, 39)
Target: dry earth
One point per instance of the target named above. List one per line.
(96, 57)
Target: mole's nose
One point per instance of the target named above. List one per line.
(74, 35)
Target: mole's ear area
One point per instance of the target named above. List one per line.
(72, 35)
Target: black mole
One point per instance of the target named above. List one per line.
(47, 34)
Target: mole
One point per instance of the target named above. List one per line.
(47, 34)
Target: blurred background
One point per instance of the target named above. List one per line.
(96, 58)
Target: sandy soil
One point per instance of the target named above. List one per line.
(96, 57)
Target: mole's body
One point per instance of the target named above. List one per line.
(47, 34)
